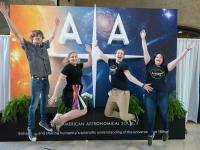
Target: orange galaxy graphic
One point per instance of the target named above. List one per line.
(26, 19)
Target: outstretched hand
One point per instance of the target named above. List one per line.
(143, 34)
(148, 88)
(191, 45)
(88, 48)
(99, 51)
(3, 8)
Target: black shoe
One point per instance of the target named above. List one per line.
(165, 136)
(32, 137)
(150, 139)
(45, 126)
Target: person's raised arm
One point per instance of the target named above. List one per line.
(147, 57)
(172, 64)
(102, 55)
(53, 98)
(89, 62)
(57, 21)
(4, 11)
(132, 79)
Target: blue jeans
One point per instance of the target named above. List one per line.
(153, 100)
(39, 93)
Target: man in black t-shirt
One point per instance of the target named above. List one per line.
(120, 94)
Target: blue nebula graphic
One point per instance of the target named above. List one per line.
(161, 29)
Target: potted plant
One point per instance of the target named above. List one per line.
(16, 107)
(175, 109)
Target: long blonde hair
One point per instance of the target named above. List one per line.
(66, 60)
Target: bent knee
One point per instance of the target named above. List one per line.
(84, 111)
(107, 114)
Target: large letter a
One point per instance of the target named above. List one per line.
(65, 33)
(118, 37)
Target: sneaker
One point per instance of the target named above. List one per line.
(165, 136)
(136, 119)
(130, 122)
(58, 128)
(32, 137)
(150, 139)
(55, 120)
(133, 121)
(45, 126)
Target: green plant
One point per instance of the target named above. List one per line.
(16, 107)
(175, 108)
(87, 100)
(61, 106)
(135, 106)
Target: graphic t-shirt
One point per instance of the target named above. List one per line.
(156, 75)
(118, 78)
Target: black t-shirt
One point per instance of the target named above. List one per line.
(156, 76)
(118, 78)
(73, 73)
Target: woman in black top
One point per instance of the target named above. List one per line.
(72, 72)
(156, 72)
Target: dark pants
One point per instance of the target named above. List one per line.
(39, 93)
(154, 100)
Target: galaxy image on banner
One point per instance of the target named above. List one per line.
(84, 25)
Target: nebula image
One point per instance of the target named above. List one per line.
(159, 24)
